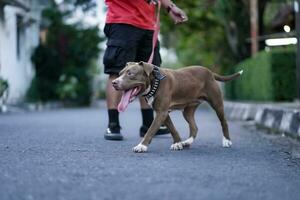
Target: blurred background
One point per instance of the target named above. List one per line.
(51, 50)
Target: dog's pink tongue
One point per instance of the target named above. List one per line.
(125, 100)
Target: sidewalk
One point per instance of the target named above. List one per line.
(282, 118)
(29, 107)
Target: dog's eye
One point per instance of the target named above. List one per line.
(129, 73)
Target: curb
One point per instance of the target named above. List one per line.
(276, 118)
(241, 111)
(30, 107)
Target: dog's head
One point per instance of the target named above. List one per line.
(134, 79)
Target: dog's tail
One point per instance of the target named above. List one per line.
(227, 78)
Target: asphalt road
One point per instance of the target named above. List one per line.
(61, 154)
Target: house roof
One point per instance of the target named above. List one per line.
(24, 4)
(17, 3)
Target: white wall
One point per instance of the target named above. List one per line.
(17, 70)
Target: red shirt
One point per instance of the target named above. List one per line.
(134, 12)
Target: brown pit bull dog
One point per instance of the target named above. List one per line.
(166, 90)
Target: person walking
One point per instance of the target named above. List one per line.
(129, 29)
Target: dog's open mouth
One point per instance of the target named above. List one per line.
(127, 97)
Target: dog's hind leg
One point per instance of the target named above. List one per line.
(177, 140)
(188, 114)
(216, 103)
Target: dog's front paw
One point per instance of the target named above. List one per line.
(226, 143)
(187, 142)
(140, 148)
(176, 146)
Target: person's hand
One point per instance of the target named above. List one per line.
(177, 15)
(155, 2)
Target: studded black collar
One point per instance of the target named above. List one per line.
(157, 78)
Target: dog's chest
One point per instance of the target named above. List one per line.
(150, 101)
(182, 105)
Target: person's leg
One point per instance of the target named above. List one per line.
(113, 96)
(120, 50)
(147, 116)
(112, 99)
(147, 112)
(143, 53)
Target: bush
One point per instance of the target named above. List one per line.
(3, 86)
(284, 75)
(64, 64)
(269, 76)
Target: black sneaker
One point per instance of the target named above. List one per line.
(162, 130)
(113, 132)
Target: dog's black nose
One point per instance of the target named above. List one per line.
(115, 82)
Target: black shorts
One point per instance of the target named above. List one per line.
(126, 43)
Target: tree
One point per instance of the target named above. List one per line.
(213, 35)
(64, 64)
(235, 19)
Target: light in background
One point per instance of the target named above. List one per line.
(281, 41)
(287, 28)
(58, 1)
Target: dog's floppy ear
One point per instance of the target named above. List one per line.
(148, 68)
(130, 63)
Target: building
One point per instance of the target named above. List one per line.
(19, 34)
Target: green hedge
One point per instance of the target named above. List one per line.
(65, 62)
(269, 76)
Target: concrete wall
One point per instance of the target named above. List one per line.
(17, 67)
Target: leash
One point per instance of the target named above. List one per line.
(156, 31)
(157, 75)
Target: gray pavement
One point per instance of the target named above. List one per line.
(61, 154)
